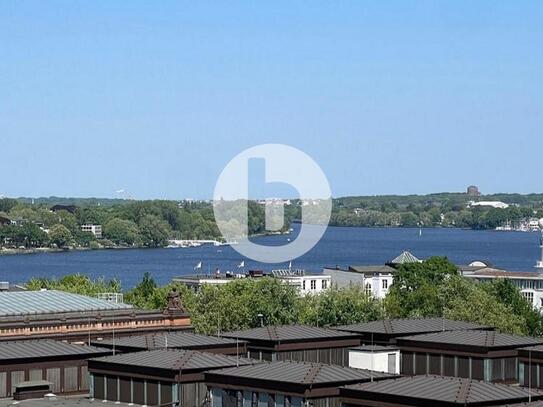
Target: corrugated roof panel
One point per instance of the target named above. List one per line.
(410, 326)
(46, 302)
(484, 339)
(288, 333)
(300, 372)
(174, 340)
(174, 359)
(445, 389)
(43, 349)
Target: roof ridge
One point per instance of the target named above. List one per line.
(182, 361)
(490, 338)
(149, 341)
(272, 332)
(463, 391)
(388, 326)
(312, 373)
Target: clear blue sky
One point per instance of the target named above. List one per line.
(156, 97)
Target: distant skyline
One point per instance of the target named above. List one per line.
(155, 98)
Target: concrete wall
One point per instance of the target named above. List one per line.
(377, 361)
(343, 278)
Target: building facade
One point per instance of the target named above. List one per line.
(481, 355)
(61, 364)
(156, 378)
(78, 318)
(283, 383)
(297, 342)
(96, 230)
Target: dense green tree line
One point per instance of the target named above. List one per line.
(438, 210)
(133, 223)
(433, 288)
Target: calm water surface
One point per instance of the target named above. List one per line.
(340, 246)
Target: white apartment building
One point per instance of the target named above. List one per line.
(96, 230)
(376, 280)
(306, 283)
(529, 283)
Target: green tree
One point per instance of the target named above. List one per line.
(60, 236)
(509, 295)
(143, 294)
(415, 291)
(7, 204)
(33, 235)
(154, 231)
(122, 231)
(75, 283)
(340, 307)
(469, 301)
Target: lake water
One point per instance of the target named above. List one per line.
(339, 246)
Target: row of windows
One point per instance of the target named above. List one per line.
(313, 284)
(491, 370)
(53, 328)
(233, 398)
(368, 288)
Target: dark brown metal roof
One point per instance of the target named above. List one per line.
(179, 340)
(409, 326)
(285, 333)
(532, 351)
(451, 390)
(300, 373)
(474, 339)
(172, 359)
(45, 349)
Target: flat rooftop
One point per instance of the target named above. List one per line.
(170, 359)
(57, 402)
(425, 390)
(39, 349)
(14, 303)
(382, 269)
(410, 326)
(292, 372)
(474, 340)
(180, 340)
(286, 333)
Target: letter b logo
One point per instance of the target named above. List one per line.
(282, 164)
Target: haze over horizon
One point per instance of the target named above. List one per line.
(155, 99)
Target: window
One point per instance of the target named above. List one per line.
(324, 284)
(385, 284)
(303, 285)
(529, 296)
(313, 284)
(367, 289)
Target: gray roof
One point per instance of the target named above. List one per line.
(283, 333)
(71, 401)
(405, 257)
(179, 340)
(372, 269)
(374, 348)
(33, 349)
(444, 389)
(535, 351)
(46, 302)
(174, 359)
(479, 339)
(300, 372)
(409, 326)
